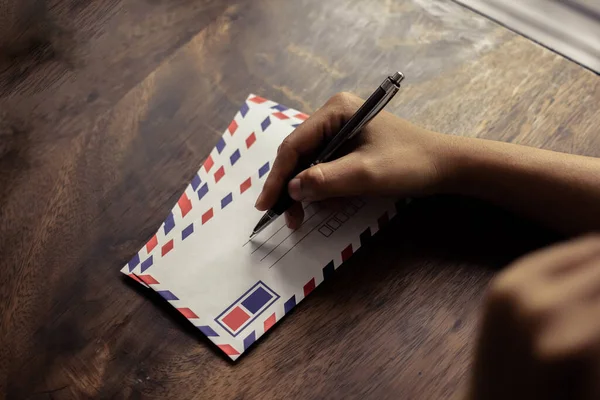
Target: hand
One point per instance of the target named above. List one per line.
(389, 157)
(540, 336)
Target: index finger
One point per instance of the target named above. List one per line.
(302, 142)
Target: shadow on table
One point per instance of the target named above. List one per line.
(465, 230)
(443, 231)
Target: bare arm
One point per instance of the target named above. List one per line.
(561, 191)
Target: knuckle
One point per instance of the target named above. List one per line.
(339, 98)
(368, 171)
(344, 103)
(315, 177)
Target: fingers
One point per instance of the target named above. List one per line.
(553, 261)
(583, 282)
(541, 314)
(535, 284)
(343, 177)
(294, 216)
(305, 140)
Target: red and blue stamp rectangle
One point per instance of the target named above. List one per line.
(247, 308)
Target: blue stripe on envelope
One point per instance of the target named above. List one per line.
(220, 145)
(169, 223)
(187, 231)
(147, 263)
(134, 262)
(244, 110)
(234, 157)
(202, 191)
(226, 200)
(196, 181)
(280, 107)
(263, 170)
(265, 124)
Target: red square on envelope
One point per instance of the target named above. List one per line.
(235, 318)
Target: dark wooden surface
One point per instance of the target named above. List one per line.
(107, 108)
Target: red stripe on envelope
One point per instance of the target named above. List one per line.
(207, 216)
(250, 140)
(148, 279)
(232, 127)
(151, 244)
(219, 174)
(167, 247)
(258, 100)
(187, 312)
(184, 204)
(269, 322)
(347, 252)
(208, 163)
(309, 287)
(227, 349)
(245, 185)
(280, 115)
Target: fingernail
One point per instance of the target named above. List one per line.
(258, 201)
(295, 189)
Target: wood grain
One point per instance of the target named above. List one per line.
(108, 108)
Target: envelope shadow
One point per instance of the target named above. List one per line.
(175, 316)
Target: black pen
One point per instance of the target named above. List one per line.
(372, 106)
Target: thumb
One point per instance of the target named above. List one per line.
(342, 177)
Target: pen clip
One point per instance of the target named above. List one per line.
(378, 107)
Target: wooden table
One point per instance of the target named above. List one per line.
(108, 108)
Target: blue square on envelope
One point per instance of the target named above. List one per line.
(257, 300)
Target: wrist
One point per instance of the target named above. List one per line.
(453, 164)
(477, 167)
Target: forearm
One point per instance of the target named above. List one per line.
(561, 191)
